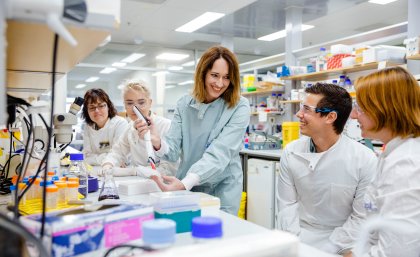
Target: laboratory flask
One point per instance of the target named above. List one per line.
(109, 189)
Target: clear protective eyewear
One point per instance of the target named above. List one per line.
(357, 108)
(100, 107)
(139, 103)
(308, 108)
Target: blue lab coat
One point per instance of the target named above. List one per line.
(208, 138)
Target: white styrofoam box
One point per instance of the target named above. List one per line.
(412, 46)
(384, 53)
(341, 49)
(348, 61)
(137, 187)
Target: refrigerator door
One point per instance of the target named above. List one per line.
(260, 192)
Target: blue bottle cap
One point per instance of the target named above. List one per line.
(206, 227)
(12, 187)
(55, 178)
(159, 231)
(76, 157)
(49, 182)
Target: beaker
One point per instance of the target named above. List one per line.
(109, 189)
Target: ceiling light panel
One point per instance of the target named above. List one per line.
(133, 57)
(282, 33)
(92, 79)
(382, 2)
(200, 22)
(80, 86)
(107, 70)
(119, 64)
(172, 57)
(186, 82)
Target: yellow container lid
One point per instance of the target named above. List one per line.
(291, 123)
(51, 189)
(72, 184)
(61, 184)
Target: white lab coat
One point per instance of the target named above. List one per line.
(131, 146)
(321, 194)
(394, 194)
(97, 143)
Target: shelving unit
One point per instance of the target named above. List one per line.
(414, 57)
(260, 92)
(329, 74)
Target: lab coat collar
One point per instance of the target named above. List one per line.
(392, 145)
(202, 107)
(313, 158)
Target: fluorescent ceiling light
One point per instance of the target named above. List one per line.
(160, 73)
(107, 70)
(172, 57)
(133, 57)
(186, 82)
(168, 87)
(120, 86)
(191, 63)
(80, 86)
(200, 21)
(92, 79)
(381, 1)
(119, 64)
(175, 68)
(281, 33)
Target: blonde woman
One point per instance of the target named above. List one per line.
(132, 148)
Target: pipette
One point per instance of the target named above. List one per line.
(147, 138)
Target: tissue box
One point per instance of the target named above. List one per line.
(384, 53)
(78, 231)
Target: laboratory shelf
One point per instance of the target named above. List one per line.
(329, 74)
(414, 57)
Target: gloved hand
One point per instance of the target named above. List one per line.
(146, 172)
(105, 166)
(123, 172)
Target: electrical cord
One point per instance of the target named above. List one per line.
(49, 130)
(145, 248)
(18, 229)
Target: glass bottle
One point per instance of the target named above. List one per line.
(78, 169)
(109, 189)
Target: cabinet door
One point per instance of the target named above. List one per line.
(260, 192)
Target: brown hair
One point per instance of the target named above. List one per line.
(96, 95)
(334, 98)
(233, 92)
(391, 98)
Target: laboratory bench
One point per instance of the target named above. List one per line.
(232, 225)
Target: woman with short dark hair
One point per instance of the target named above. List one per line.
(103, 128)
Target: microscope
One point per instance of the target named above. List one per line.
(63, 122)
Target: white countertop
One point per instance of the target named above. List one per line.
(262, 153)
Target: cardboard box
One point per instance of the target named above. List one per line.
(74, 232)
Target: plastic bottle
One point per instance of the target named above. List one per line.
(347, 84)
(12, 195)
(159, 233)
(72, 191)
(321, 62)
(206, 228)
(78, 169)
(342, 80)
(246, 142)
(62, 192)
(52, 197)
